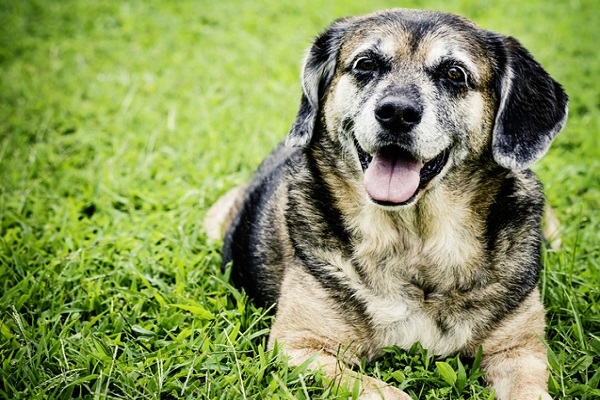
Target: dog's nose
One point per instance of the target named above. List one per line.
(398, 113)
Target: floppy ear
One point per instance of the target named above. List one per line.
(317, 73)
(532, 110)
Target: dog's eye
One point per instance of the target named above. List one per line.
(365, 64)
(457, 74)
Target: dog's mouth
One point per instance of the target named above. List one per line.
(393, 176)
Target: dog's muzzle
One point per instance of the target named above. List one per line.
(392, 174)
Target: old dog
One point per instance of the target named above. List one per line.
(400, 208)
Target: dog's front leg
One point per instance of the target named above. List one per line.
(515, 357)
(309, 324)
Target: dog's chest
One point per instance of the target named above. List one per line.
(410, 280)
(403, 313)
(403, 321)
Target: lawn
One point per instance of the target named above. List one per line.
(122, 121)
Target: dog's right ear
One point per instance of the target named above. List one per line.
(317, 73)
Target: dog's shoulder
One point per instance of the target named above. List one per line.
(256, 241)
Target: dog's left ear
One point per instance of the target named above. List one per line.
(532, 110)
(317, 73)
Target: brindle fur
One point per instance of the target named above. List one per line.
(456, 267)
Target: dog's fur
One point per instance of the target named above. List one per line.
(354, 263)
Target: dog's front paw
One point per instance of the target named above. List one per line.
(387, 393)
(374, 389)
(533, 394)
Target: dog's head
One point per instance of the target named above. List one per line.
(409, 95)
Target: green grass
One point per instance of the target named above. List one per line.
(121, 122)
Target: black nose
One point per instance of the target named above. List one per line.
(398, 113)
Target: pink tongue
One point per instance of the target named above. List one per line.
(392, 179)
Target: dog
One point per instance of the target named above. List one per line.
(401, 207)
